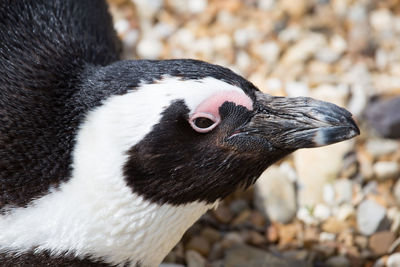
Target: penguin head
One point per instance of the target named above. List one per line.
(190, 131)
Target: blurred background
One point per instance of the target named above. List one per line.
(331, 206)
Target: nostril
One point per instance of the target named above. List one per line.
(203, 122)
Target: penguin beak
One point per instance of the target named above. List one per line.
(301, 122)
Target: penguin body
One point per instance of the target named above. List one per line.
(106, 162)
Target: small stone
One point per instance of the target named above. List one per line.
(332, 93)
(396, 191)
(231, 239)
(287, 234)
(329, 194)
(242, 36)
(384, 116)
(300, 255)
(199, 244)
(305, 216)
(343, 191)
(211, 234)
(294, 8)
(255, 238)
(378, 147)
(333, 225)
(244, 255)
(326, 163)
(257, 219)
(222, 42)
(337, 261)
(149, 48)
(148, 9)
(338, 44)
(171, 265)
(197, 6)
(194, 259)
(361, 241)
(295, 89)
(311, 235)
(326, 237)
(386, 170)
(303, 49)
(369, 215)
(216, 252)
(238, 205)
(275, 196)
(321, 212)
(272, 233)
(345, 211)
(243, 217)
(381, 20)
(393, 260)
(380, 242)
(268, 51)
(327, 55)
(222, 214)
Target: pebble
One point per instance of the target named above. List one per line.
(344, 212)
(199, 244)
(268, 51)
(231, 239)
(333, 225)
(386, 170)
(325, 236)
(295, 89)
(369, 215)
(171, 265)
(384, 116)
(378, 147)
(211, 234)
(321, 212)
(194, 259)
(272, 233)
(304, 49)
(393, 260)
(223, 214)
(275, 196)
(381, 20)
(337, 261)
(331, 93)
(380, 242)
(149, 48)
(244, 255)
(326, 163)
(343, 191)
(304, 214)
(396, 191)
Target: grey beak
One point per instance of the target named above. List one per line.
(301, 122)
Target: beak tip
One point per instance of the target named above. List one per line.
(331, 135)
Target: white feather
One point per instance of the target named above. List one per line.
(95, 213)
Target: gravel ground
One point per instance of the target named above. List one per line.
(331, 206)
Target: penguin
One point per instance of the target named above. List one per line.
(106, 162)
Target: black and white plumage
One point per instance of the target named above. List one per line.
(106, 162)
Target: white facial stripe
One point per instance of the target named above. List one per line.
(95, 213)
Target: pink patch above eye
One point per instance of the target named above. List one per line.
(212, 104)
(209, 108)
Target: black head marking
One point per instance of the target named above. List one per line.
(175, 164)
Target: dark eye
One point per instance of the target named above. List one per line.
(203, 122)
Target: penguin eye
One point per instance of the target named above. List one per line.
(203, 122)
